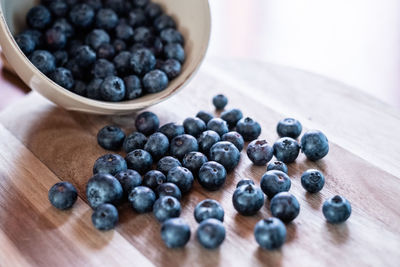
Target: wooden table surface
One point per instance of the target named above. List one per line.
(41, 144)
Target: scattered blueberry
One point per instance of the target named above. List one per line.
(289, 127)
(235, 138)
(142, 199)
(207, 139)
(211, 233)
(286, 149)
(248, 199)
(129, 179)
(175, 233)
(285, 206)
(182, 177)
(109, 163)
(139, 160)
(218, 125)
(63, 77)
(194, 126)
(172, 130)
(260, 152)
(314, 145)
(336, 209)
(153, 179)
(103, 188)
(134, 141)
(205, 116)
(166, 207)
(312, 180)
(183, 144)
(212, 175)
(274, 182)
(105, 217)
(147, 122)
(167, 163)
(155, 81)
(220, 101)
(193, 161)
(226, 154)
(248, 128)
(277, 165)
(169, 189)
(157, 145)
(112, 89)
(244, 181)
(63, 195)
(208, 208)
(232, 116)
(270, 233)
(111, 137)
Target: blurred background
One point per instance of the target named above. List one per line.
(356, 42)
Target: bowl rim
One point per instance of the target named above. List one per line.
(104, 106)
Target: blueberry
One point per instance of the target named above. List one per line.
(183, 144)
(235, 138)
(166, 207)
(175, 233)
(103, 188)
(171, 67)
(39, 17)
(44, 61)
(171, 35)
(96, 38)
(80, 88)
(103, 68)
(55, 39)
(59, 8)
(164, 21)
(157, 48)
(63, 195)
(85, 56)
(194, 126)
(63, 77)
(95, 4)
(248, 128)
(232, 116)
(73, 45)
(77, 71)
(211, 233)
(244, 182)
(142, 61)
(226, 154)
(152, 179)
(143, 35)
(248, 199)
(140, 3)
(172, 130)
(312, 180)
(182, 177)
(286, 149)
(142, 199)
(119, 46)
(277, 165)
(212, 175)
(36, 35)
(220, 101)
(270, 233)
(193, 161)
(82, 15)
(174, 51)
(336, 209)
(167, 163)
(205, 116)
(133, 87)
(314, 145)
(139, 160)
(111, 137)
(106, 51)
(25, 43)
(147, 122)
(129, 179)
(218, 125)
(260, 152)
(112, 89)
(93, 89)
(137, 18)
(155, 81)
(124, 32)
(109, 163)
(122, 62)
(105, 217)
(289, 127)
(116, 5)
(207, 139)
(274, 182)
(157, 145)
(153, 10)
(61, 57)
(208, 208)
(169, 189)
(285, 206)
(106, 19)
(64, 26)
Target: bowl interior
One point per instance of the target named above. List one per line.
(193, 20)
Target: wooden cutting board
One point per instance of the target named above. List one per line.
(41, 144)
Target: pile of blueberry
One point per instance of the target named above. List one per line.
(110, 50)
(161, 164)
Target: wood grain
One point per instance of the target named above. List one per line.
(56, 144)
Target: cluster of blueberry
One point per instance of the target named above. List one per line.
(110, 50)
(181, 153)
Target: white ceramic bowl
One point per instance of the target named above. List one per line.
(193, 19)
